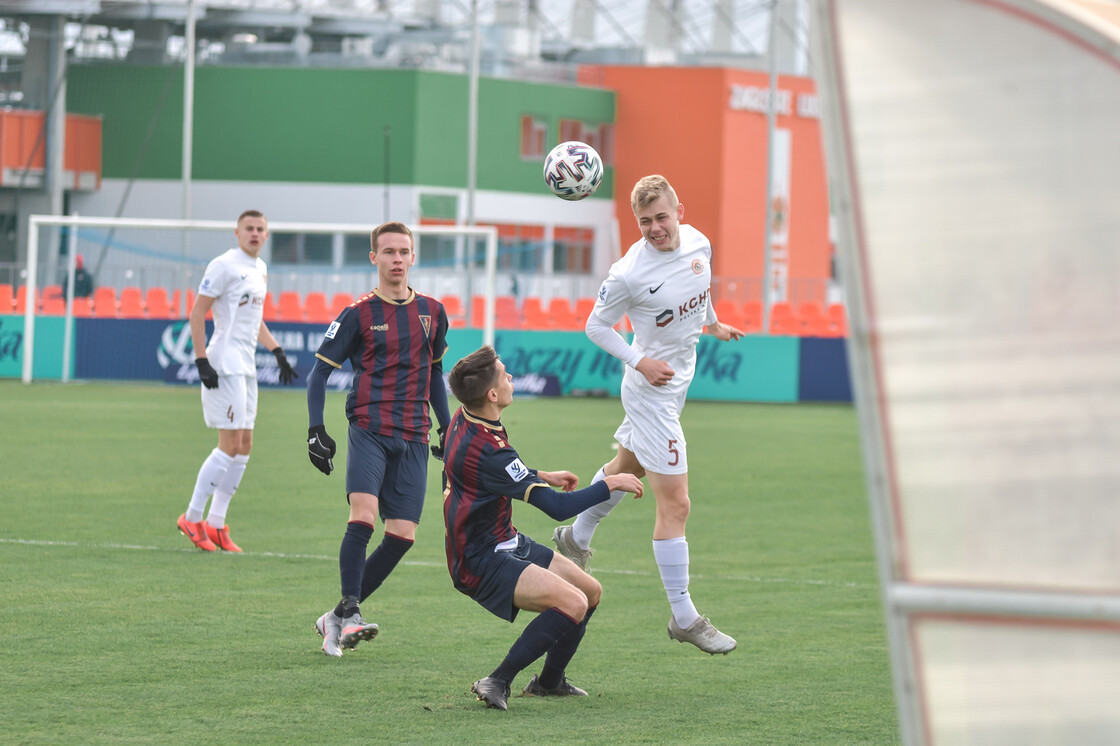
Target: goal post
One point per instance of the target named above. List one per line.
(167, 252)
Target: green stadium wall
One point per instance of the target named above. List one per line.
(324, 125)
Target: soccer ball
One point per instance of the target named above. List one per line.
(573, 170)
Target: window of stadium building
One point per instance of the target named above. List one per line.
(302, 248)
(571, 250)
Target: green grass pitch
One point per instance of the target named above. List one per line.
(116, 630)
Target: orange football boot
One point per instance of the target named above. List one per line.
(196, 533)
(220, 537)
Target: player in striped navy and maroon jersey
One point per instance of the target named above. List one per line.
(491, 562)
(395, 339)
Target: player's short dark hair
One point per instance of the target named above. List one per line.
(250, 214)
(390, 227)
(473, 377)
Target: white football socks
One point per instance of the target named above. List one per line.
(583, 528)
(209, 477)
(672, 562)
(224, 492)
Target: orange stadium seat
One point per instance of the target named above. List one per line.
(339, 301)
(105, 302)
(156, 303)
(729, 312)
(810, 316)
(132, 303)
(583, 310)
(21, 299)
(535, 316)
(270, 311)
(53, 305)
(752, 317)
(506, 315)
(562, 314)
(837, 318)
(7, 299)
(289, 306)
(453, 307)
(315, 308)
(783, 321)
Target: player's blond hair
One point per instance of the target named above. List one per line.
(650, 189)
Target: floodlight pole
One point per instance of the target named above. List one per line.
(771, 123)
(472, 177)
(188, 137)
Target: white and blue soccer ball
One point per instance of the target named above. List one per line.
(573, 170)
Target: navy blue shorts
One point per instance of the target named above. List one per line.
(499, 572)
(394, 470)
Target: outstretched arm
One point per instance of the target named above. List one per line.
(561, 506)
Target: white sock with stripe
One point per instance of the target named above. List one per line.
(224, 492)
(209, 477)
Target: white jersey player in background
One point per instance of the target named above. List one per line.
(663, 284)
(233, 288)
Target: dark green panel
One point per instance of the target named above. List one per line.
(139, 105)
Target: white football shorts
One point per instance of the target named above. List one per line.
(651, 430)
(231, 406)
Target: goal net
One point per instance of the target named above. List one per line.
(148, 268)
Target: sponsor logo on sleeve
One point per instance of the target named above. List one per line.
(603, 293)
(517, 471)
(332, 330)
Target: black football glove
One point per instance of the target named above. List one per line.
(320, 449)
(437, 451)
(206, 373)
(287, 372)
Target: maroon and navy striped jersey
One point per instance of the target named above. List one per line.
(484, 475)
(391, 345)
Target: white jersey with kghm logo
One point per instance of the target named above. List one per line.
(238, 283)
(667, 295)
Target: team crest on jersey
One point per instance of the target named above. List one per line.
(332, 330)
(426, 322)
(697, 266)
(517, 471)
(665, 317)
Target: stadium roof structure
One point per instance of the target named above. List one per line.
(520, 38)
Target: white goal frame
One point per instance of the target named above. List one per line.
(35, 222)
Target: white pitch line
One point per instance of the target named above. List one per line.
(287, 555)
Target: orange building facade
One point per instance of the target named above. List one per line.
(705, 129)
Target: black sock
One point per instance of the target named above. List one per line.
(352, 558)
(539, 636)
(562, 653)
(382, 562)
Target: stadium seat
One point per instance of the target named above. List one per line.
(270, 311)
(289, 306)
(20, 304)
(105, 302)
(752, 317)
(453, 307)
(506, 315)
(837, 318)
(562, 314)
(7, 299)
(156, 303)
(52, 305)
(131, 303)
(315, 308)
(583, 310)
(783, 321)
(730, 312)
(810, 317)
(535, 316)
(83, 308)
(339, 301)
